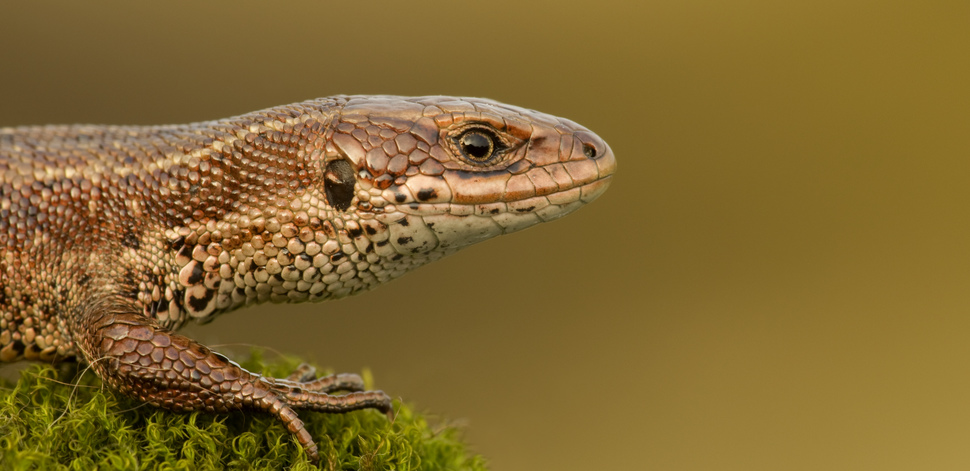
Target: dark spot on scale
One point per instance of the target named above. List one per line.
(197, 273)
(19, 347)
(179, 295)
(397, 257)
(83, 280)
(252, 266)
(199, 304)
(355, 232)
(337, 257)
(329, 230)
(400, 197)
(278, 277)
(415, 206)
(34, 349)
(185, 251)
(426, 194)
(241, 291)
(369, 248)
(161, 305)
(404, 221)
(382, 243)
(525, 210)
(130, 240)
(370, 230)
(494, 211)
(175, 244)
(305, 258)
(404, 240)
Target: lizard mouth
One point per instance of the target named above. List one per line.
(458, 225)
(592, 190)
(577, 195)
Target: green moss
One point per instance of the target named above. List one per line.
(50, 419)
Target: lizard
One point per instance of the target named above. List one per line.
(112, 237)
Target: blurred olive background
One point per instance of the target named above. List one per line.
(777, 279)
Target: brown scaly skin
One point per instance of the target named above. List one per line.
(112, 237)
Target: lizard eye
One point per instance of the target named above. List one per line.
(477, 145)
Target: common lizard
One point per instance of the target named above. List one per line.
(112, 237)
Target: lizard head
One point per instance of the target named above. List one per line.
(338, 195)
(334, 196)
(422, 177)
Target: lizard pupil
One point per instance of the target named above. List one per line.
(476, 145)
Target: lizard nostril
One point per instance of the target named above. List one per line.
(593, 146)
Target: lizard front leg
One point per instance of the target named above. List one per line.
(137, 357)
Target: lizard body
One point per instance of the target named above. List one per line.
(112, 237)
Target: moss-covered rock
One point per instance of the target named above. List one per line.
(62, 418)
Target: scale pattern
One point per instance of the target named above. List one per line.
(112, 237)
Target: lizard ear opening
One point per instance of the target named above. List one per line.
(338, 183)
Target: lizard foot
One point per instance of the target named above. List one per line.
(140, 359)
